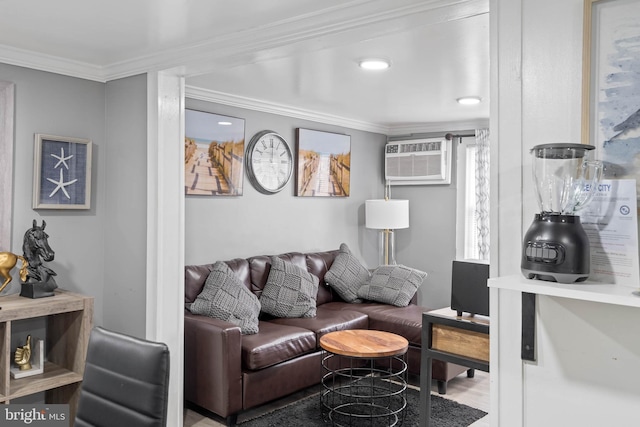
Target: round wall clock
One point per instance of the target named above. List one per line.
(269, 162)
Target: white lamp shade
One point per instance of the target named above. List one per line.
(387, 214)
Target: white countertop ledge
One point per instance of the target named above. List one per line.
(587, 291)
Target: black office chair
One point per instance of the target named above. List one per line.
(125, 382)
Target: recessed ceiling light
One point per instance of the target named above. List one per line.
(374, 64)
(224, 123)
(469, 100)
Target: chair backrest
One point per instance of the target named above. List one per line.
(125, 382)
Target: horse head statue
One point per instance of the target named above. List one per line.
(39, 280)
(36, 243)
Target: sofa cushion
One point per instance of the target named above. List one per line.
(392, 284)
(260, 266)
(194, 278)
(275, 344)
(346, 275)
(328, 320)
(404, 321)
(318, 263)
(290, 291)
(224, 297)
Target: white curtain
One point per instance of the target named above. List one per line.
(482, 192)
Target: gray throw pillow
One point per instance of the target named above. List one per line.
(392, 284)
(225, 297)
(290, 291)
(346, 275)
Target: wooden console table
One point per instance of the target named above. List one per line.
(69, 318)
(463, 340)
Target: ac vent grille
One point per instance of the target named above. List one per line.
(425, 161)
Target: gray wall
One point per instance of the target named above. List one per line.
(102, 251)
(221, 228)
(429, 243)
(125, 205)
(64, 106)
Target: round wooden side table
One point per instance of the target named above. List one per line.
(364, 378)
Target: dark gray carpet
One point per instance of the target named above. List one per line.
(306, 412)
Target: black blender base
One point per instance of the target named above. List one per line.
(555, 277)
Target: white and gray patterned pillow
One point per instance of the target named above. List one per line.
(392, 284)
(346, 275)
(290, 291)
(224, 297)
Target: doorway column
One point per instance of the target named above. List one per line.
(165, 225)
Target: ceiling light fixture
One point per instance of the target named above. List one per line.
(374, 64)
(469, 100)
(224, 123)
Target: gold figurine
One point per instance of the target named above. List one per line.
(8, 260)
(23, 355)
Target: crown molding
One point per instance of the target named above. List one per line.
(53, 64)
(314, 116)
(417, 128)
(280, 109)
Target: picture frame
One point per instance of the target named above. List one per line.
(214, 154)
(323, 164)
(61, 172)
(611, 85)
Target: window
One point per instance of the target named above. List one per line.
(472, 229)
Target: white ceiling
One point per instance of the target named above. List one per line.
(294, 57)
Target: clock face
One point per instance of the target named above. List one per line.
(269, 162)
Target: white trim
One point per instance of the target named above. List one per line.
(505, 35)
(165, 226)
(53, 64)
(288, 111)
(280, 109)
(7, 100)
(437, 127)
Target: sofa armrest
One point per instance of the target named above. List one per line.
(212, 364)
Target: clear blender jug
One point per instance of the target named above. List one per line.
(555, 247)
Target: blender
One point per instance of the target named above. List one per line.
(556, 247)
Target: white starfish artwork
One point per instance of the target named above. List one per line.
(61, 159)
(60, 185)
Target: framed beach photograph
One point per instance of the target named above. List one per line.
(61, 172)
(213, 154)
(323, 164)
(611, 85)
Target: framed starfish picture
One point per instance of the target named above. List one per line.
(61, 172)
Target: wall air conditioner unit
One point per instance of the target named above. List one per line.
(418, 162)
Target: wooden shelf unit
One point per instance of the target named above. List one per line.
(69, 319)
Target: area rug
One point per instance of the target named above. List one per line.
(306, 412)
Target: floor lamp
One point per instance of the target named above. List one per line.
(387, 215)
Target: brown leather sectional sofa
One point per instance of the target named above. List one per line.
(227, 372)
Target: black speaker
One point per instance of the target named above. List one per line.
(469, 291)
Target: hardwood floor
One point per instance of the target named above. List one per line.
(473, 392)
